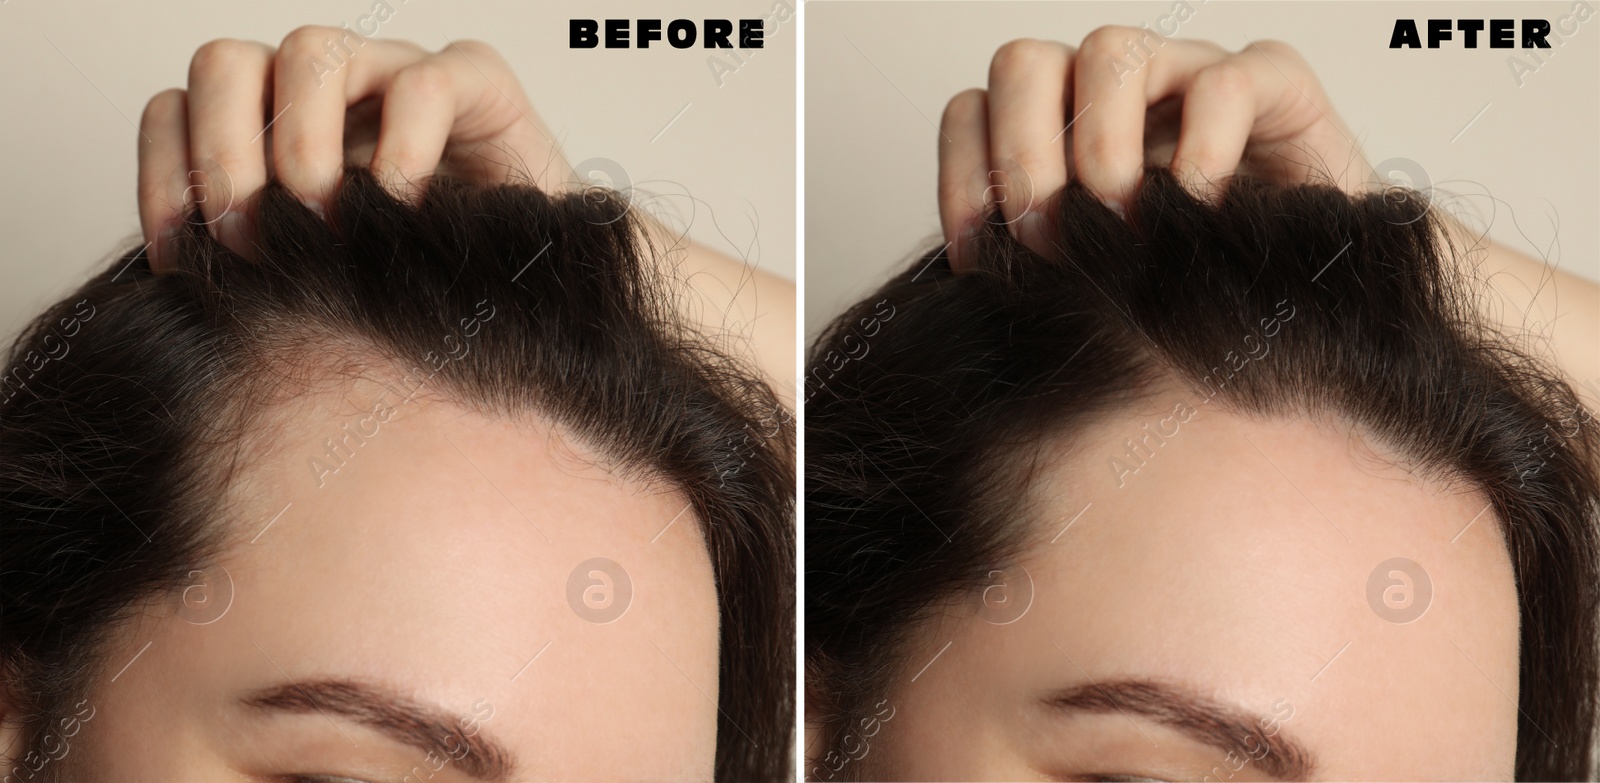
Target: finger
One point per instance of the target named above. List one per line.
(963, 169)
(1219, 109)
(509, 138)
(227, 89)
(1292, 107)
(466, 94)
(1028, 85)
(318, 73)
(418, 111)
(163, 168)
(1118, 73)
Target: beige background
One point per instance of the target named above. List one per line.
(878, 76)
(78, 74)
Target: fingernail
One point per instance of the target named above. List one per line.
(1117, 207)
(319, 208)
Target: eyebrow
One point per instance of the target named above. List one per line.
(1209, 721)
(399, 718)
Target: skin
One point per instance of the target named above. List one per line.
(1231, 585)
(411, 570)
(406, 113)
(1241, 582)
(1209, 570)
(449, 526)
(1260, 110)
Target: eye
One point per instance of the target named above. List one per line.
(324, 779)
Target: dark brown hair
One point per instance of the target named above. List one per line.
(120, 419)
(921, 428)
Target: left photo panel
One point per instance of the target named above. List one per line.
(398, 390)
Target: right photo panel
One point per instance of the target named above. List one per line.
(1201, 391)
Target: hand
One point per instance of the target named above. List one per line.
(212, 144)
(1009, 146)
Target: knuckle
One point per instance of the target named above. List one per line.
(1099, 151)
(307, 38)
(152, 192)
(394, 160)
(164, 107)
(222, 167)
(1018, 57)
(477, 50)
(426, 79)
(1225, 78)
(952, 190)
(1108, 38)
(406, 165)
(1278, 51)
(298, 152)
(1203, 159)
(224, 55)
(1021, 167)
(966, 108)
